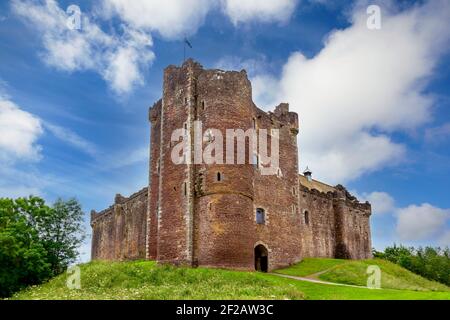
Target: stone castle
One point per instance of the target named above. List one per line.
(228, 216)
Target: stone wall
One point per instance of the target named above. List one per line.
(119, 232)
(334, 224)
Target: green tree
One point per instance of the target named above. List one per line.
(37, 241)
(431, 263)
(62, 233)
(22, 255)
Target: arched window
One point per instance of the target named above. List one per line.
(306, 217)
(260, 216)
(219, 177)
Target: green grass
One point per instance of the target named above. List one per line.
(311, 266)
(354, 273)
(147, 280)
(314, 291)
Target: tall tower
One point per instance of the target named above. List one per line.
(224, 225)
(199, 213)
(171, 192)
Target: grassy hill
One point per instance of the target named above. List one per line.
(354, 273)
(147, 280)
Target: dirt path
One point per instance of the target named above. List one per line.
(316, 280)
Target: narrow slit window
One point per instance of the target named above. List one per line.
(306, 217)
(219, 177)
(260, 216)
(185, 188)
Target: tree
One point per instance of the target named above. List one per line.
(431, 263)
(61, 232)
(37, 241)
(22, 255)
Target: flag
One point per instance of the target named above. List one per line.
(188, 43)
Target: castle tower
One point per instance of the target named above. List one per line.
(198, 212)
(224, 210)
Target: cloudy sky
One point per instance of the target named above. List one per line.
(374, 104)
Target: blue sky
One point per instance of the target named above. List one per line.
(374, 105)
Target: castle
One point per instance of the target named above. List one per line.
(228, 216)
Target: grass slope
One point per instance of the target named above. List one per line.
(354, 273)
(147, 280)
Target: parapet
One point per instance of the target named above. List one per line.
(118, 200)
(337, 193)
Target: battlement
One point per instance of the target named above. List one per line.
(204, 82)
(118, 200)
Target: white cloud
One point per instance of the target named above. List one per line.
(72, 139)
(171, 19)
(19, 131)
(175, 18)
(382, 202)
(420, 222)
(444, 240)
(120, 60)
(122, 57)
(361, 87)
(413, 224)
(256, 10)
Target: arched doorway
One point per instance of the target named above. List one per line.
(261, 258)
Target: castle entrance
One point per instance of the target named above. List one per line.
(261, 258)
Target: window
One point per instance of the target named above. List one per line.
(254, 123)
(294, 209)
(185, 189)
(294, 191)
(306, 217)
(219, 177)
(185, 100)
(260, 216)
(203, 105)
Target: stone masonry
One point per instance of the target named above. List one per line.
(228, 216)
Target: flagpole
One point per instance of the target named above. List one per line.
(184, 49)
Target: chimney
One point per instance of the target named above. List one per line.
(308, 174)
